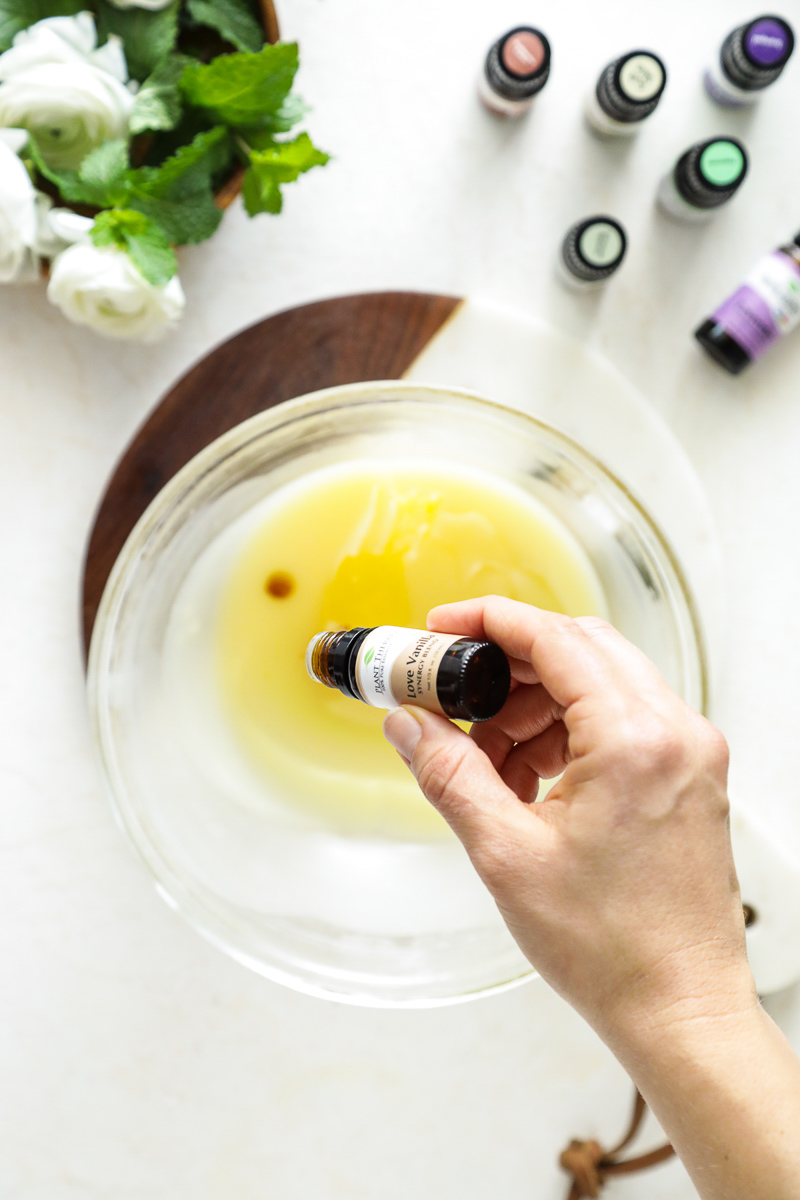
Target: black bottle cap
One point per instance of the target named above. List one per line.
(506, 60)
(473, 681)
(753, 55)
(796, 239)
(710, 172)
(630, 87)
(717, 342)
(593, 249)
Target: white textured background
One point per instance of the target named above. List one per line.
(137, 1063)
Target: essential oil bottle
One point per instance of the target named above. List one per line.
(626, 93)
(591, 252)
(386, 666)
(762, 309)
(704, 178)
(749, 60)
(517, 67)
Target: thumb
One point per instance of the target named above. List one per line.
(453, 772)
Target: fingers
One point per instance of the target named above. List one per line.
(544, 756)
(529, 710)
(454, 773)
(572, 658)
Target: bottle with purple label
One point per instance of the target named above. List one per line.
(763, 309)
(750, 59)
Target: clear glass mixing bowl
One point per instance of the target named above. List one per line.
(366, 920)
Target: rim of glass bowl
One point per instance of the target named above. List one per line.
(175, 494)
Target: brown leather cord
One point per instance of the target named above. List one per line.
(590, 1165)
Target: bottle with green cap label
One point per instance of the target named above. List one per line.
(591, 251)
(704, 178)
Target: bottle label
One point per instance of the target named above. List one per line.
(766, 306)
(641, 77)
(400, 666)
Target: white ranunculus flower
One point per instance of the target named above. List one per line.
(17, 217)
(101, 287)
(152, 5)
(68, 94)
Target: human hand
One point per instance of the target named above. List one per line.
(620, 887)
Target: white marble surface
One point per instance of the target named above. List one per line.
(135, 1060)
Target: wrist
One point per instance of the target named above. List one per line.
(701, 1018)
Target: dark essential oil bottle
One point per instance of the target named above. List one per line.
(704, 178)
(626, 93)
(517, 67)
(749, 60)
(386, 666)
(591, 252)
(762, 309)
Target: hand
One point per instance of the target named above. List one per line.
(620, 887)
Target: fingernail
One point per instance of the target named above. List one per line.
(402, 731)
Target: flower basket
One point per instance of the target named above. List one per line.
(126, 129)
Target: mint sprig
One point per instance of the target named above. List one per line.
(242, 89)
(158, 103)
(179, 194)
(232, 19)
(141, 239)
(280, 163)
(147, 35)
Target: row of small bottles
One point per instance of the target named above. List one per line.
(705, 177)
(629, 89)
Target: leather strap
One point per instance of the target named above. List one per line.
(591, 1166)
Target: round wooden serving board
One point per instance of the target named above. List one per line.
(348, 339)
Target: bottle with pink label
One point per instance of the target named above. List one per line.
(749, 60)
(516, 69)
(761, 310)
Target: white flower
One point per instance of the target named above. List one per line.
(17, 217)
(101, 287)
(68, 94)
(152, 5)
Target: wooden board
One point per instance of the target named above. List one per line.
(348, 339)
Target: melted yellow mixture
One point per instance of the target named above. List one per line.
(370, 546)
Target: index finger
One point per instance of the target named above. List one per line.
(569, 662)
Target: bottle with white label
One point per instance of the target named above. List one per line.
(704, 178)
(760, 311)
(626, 93)
(749, 60)
(590, 253)
(386, 666)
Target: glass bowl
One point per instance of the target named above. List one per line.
(394, 921)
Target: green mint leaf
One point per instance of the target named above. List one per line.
(101, 175)
(290, 112)
(20, 14)
(158, 102)
(280, 163)
(67, 182)
(233, 19)
(139, 237)
(179, 194)
(147, 36)
(242, 89)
